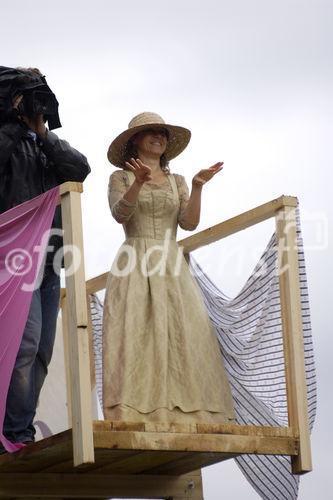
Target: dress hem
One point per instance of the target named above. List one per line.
(163, 414)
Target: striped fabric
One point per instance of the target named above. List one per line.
(96, 308)
(249, 331)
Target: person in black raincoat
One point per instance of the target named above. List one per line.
(32, 160)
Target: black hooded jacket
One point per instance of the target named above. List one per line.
(30, 166)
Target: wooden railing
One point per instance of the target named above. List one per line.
(75, 317)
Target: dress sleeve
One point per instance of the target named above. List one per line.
(183, 193)
(121, 209)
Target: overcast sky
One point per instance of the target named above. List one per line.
(253, 81)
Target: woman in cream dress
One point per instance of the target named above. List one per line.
(161, 359)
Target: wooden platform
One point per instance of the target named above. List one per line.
(218, 443)
(136, 452)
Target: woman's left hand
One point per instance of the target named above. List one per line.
(206, 174)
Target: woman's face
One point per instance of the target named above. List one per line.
(152, 141)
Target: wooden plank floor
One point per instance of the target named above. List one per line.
(152, 449)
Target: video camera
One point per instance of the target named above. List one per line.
(38, 98)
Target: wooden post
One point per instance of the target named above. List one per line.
(293, 336)
(64, 320)
(77, 326)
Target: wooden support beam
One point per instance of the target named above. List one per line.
(96, 284)
(77, 328)
(82, 486)
(93, 285)
(191, 428)
(236, 224)
(67, 187)
(293, 336)
(65, 338)
(219, 443)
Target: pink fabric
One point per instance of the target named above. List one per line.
(22, 227)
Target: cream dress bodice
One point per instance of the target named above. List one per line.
(160, 207)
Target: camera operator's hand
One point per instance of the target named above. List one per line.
(17, 101)
(12, 113)
(36, 124)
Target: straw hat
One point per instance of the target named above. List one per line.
(179, 137)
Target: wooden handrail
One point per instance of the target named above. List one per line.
(236, 224)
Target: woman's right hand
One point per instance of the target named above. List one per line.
(141, 171)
